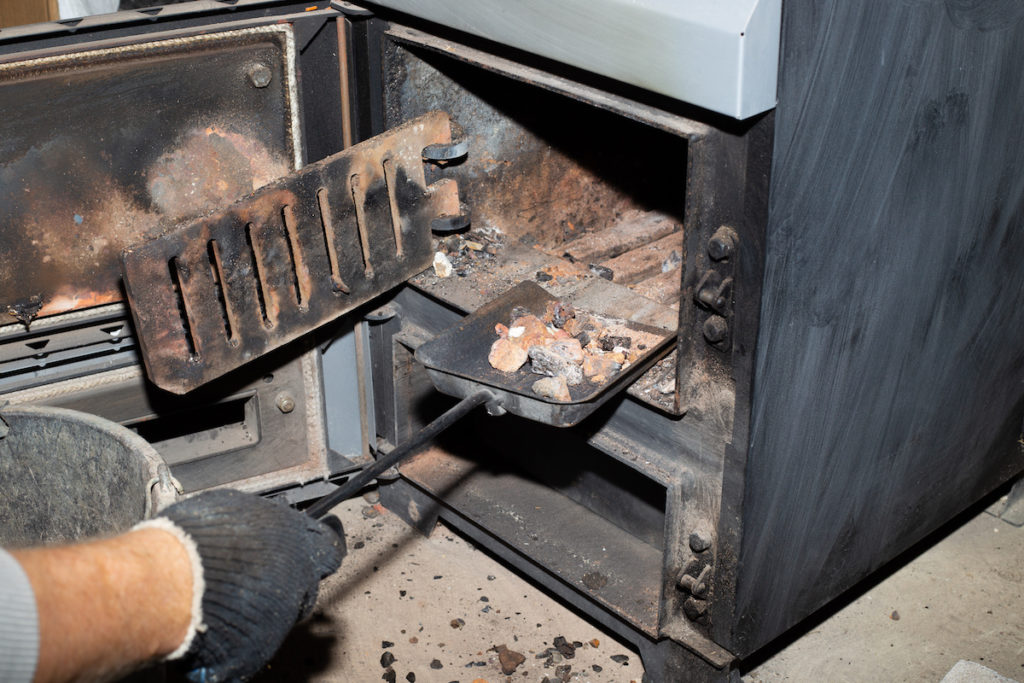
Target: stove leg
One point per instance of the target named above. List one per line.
(669, 662)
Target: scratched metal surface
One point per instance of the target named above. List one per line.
(889, 371)
(103, 147)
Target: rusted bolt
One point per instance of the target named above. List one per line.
(722, 244)
(695, 609)
(700, 541)
(285, 403)
(260, 75)
(716, 329)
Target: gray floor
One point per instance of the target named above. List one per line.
(439, 600)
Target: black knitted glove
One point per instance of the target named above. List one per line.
(262, 563)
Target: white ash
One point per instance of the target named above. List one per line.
(546, 360)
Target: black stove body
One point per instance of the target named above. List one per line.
(843, 272)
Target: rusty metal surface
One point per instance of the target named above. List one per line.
(299, 252)
(461, 353)
(547, 170)
(574, 283)
(542, 167)
(633, 230)
(647, 261)
(101, 148)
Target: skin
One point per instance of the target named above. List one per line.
(108, 607)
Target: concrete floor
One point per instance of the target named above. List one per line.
(442, 609)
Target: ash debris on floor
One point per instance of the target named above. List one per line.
(405, 607)
(961, 599)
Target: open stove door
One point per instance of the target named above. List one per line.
(227, 288)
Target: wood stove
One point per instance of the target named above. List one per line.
(839, 273)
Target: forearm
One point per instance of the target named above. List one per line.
(107, 607)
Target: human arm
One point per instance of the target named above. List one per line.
(108, 607)
(219, 578)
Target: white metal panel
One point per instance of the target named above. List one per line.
(718, 54)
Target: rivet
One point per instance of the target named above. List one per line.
(285, 403)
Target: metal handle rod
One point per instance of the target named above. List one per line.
(420, 439)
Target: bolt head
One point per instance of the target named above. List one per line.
(700, 541)
(722, 244)
(260, 75)
(695, 608)
(285, 403)
(716, 329)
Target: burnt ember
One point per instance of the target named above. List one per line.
(565, 345)
(466, 253)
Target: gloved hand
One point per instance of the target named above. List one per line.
(262, 563)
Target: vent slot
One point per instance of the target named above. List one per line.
(179, 296)
(220, 288)
(359, 201)
(391, 181)
(257, 270)
(327, 230)
(298, 268)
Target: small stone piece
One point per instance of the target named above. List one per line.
(603, 366)
(568, 348)
(386, 644)
(457, 623)
(610, 343)
(389, 675)
(387, 659)
(564, 647)
(436, 664)
(595, 643)
(895, 616)
(558, 313)
(553, 388)
(597, 668)
(620, 659)
(442, 265)
(535, 332)
(411, 677)
(509, 659)
(545, 360)
(507, 355)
